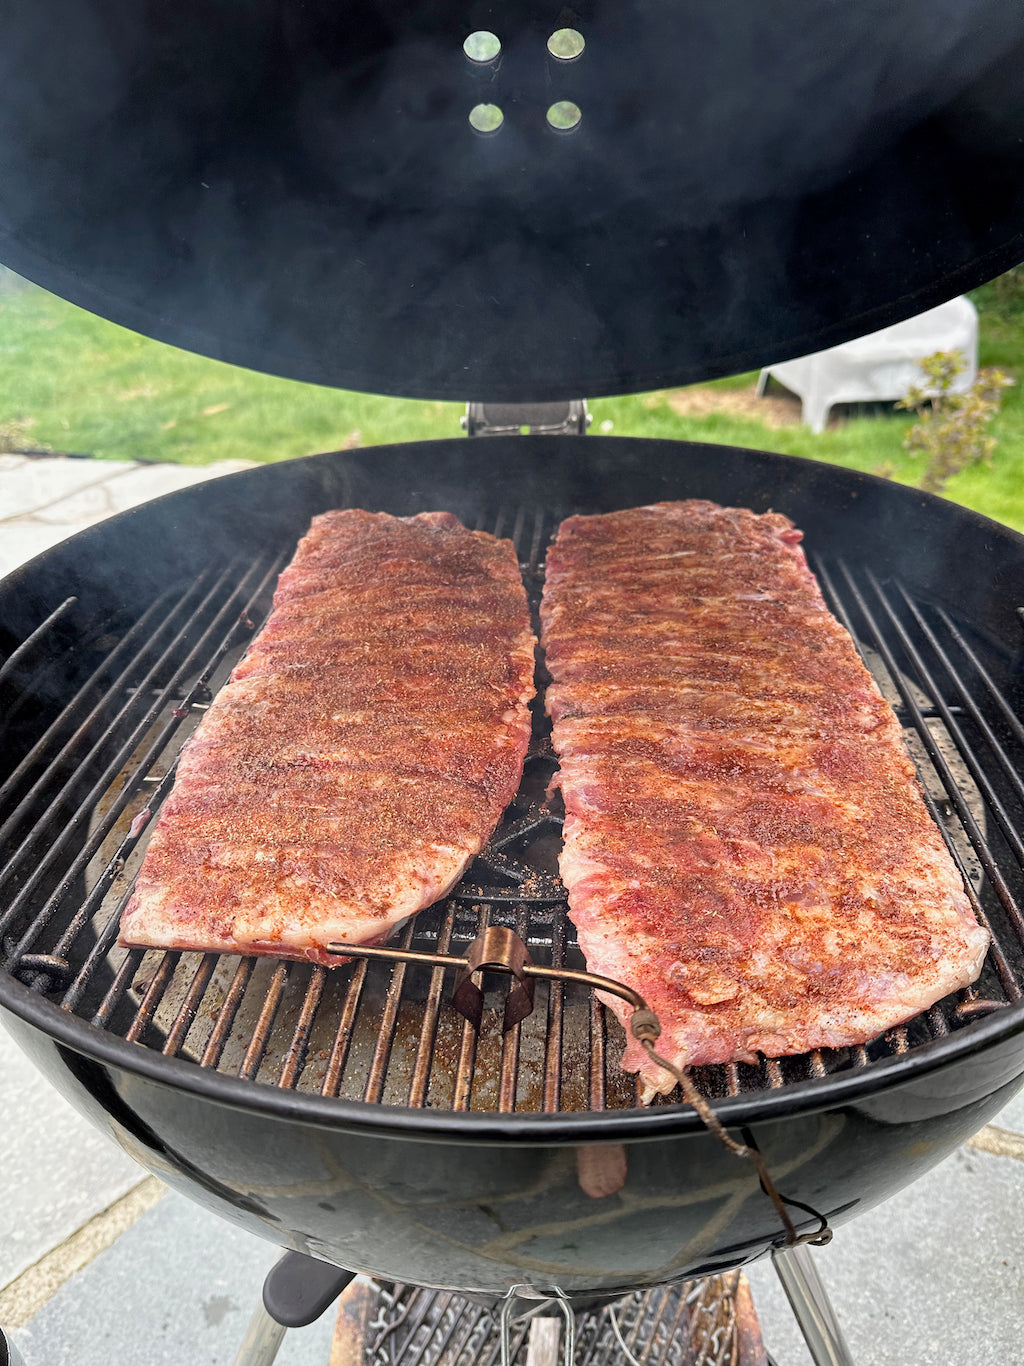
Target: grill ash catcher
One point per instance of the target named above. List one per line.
(506, 205)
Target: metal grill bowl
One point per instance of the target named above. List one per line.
(351, 1113)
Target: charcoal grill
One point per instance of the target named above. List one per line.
(353, 1114)
(301, 190)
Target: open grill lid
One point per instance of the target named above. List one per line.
(299, 189)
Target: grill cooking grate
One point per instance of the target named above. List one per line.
(699, 1323)
(73, 813)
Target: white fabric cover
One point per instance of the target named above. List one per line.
(882, 365)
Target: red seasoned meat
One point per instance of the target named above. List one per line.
(745, 841)
(360, 753)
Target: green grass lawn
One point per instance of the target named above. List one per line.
(72, 382)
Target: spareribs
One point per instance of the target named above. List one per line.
(746, 843)
(359, 755)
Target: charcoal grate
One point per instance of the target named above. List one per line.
(698, 1323)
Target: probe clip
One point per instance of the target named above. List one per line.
(497, 949)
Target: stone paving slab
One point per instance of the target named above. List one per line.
(934, 1277)
(178, 1287)
(22, 541)
(28, 484)
(45, 499)
(58, 1171)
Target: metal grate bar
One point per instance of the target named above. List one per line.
(939, 762)
(510, 1043)
(122, 980)
(683, 1308)
(996, 954)
(464, 1074)
(650, 1330)
(443, 1303)
(1007, 714)
(440, 1339)
(295, 1059)
(93, 901)
(518, 1341)
(773, 1073)
(592, 1340)
(553, 1040)
(199, 594)
(33, 638)
(151, 996)
(937, 1022)
(472, 1327)
(343, 1037)
(97, 954)
(261, 1034)
(516, 534)
(423, 1303)
(633, 1335)
(970, 707)
(419, 1086)
(117, 762)
(132, 645)
(536, 541)
(226, 1015)
(186, 1015)
(598, 1089)
(467, 1047)
(389, 1018)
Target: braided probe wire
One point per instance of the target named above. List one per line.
(646, 1029)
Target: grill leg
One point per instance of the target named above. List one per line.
(262, 1340)
(811, 1306)
(296, 1292)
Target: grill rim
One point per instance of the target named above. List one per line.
(818, 1094)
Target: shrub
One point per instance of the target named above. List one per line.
(952, 429)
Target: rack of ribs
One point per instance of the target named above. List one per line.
(746, 843)
(361, 752)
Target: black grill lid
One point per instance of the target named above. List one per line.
(297, 187)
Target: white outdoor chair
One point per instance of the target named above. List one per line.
(883, 365)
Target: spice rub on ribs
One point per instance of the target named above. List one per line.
(359, 755)
(745, 840)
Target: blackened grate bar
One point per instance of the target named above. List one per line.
(79, 803)
(118, 746)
